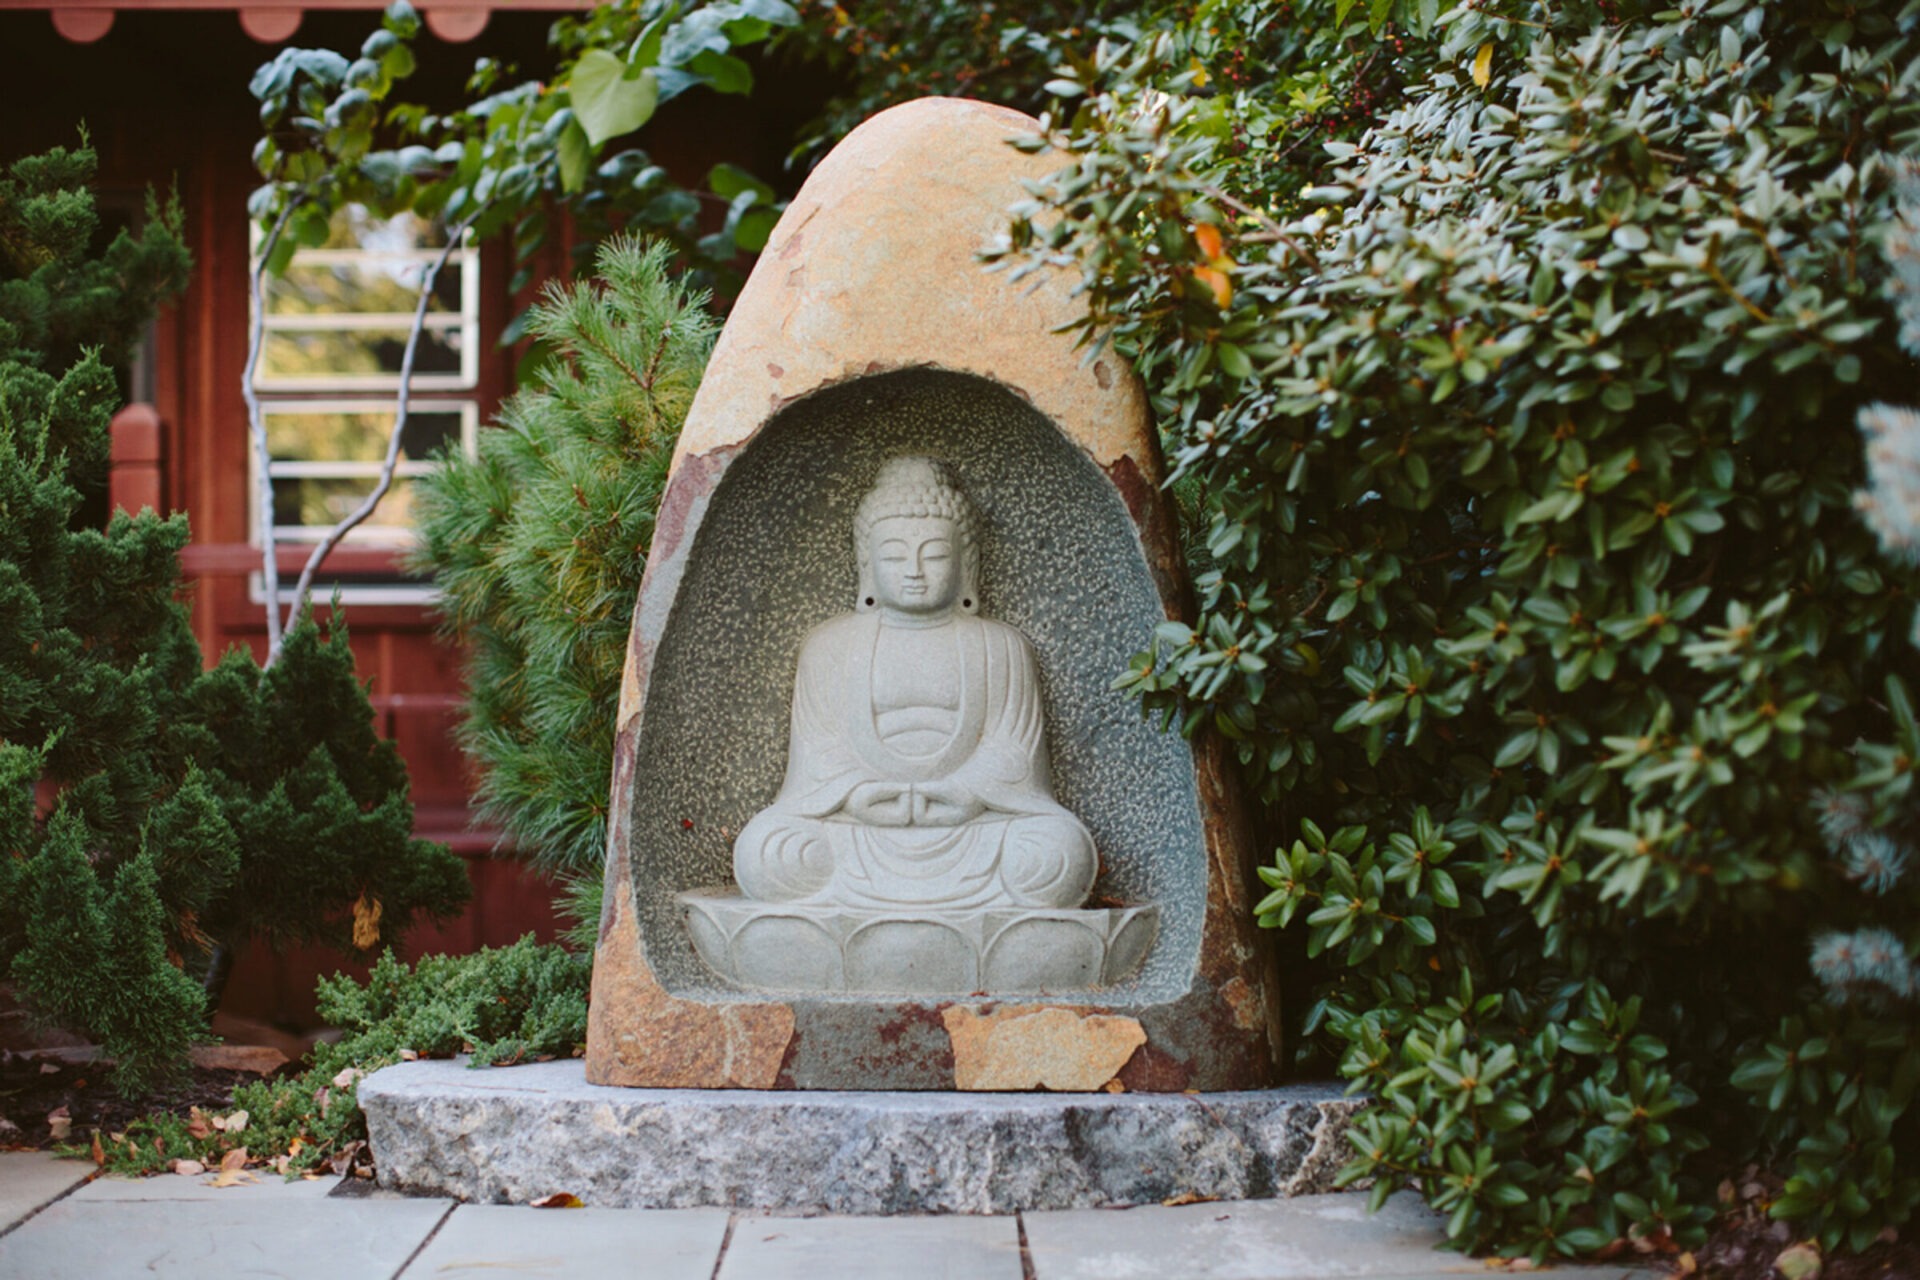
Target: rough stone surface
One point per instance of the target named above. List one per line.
(1014, 1048)
(512, 1135)
(868, 331)
(873, 267)
(873, 1249)
(1060, 562)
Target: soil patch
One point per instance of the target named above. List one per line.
(34, 1088)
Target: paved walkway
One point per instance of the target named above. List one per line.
(56, 1221)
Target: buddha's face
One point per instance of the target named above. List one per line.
(916, 564)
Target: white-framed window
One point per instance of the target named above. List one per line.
(334, 333)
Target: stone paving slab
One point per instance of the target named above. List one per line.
(925, 1248)
(264, 1186)
(1307, 1238)
(515, 1134)
(483, 1241)
(29, 1179)
(321, 1239)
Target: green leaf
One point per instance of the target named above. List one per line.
(726, 73)
(754, 229)
(576, 153)
(609, 99)
(729, 180)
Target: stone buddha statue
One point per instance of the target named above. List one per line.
(917, 777)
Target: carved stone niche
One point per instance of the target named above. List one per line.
(875, 835)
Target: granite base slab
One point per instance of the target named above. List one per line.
(510, 1135)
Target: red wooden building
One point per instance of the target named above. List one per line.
(161, 88)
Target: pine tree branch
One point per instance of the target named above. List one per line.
(257, 429)
(304, 587)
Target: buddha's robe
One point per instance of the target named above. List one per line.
(964, 724)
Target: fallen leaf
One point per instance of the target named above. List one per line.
(1188, 1197)
(323, 1096)
(187, 1168)
(1685, 1265)
(1802, 1262)
(366, 922)
(49, 1068)
(197, 1125)
(347, 1076)
(343, 1159)
(233, 1169)
(60, 1123)
(1483, 65)
(408, 1055)
(237, 1121)
(1114, 1086)
(99, 1153)
(559, 1200)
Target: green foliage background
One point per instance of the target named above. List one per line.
(1533, 576)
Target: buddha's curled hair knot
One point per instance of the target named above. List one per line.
(918, 486)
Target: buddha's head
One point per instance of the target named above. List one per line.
(914, 539)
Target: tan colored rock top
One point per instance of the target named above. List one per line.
(910, 196)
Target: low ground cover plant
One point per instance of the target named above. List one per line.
(520, 1003)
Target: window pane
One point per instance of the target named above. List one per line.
(318, 355)
(320, 504)
(359, 436)
(375, 284)
(353, 227)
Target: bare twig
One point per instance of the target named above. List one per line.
(304, 587)
(1276, 233)
(257, 427)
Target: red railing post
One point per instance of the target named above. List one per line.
(134, 476)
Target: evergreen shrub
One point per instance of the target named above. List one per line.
(1535, 599)
(539, 542)
(151, 811)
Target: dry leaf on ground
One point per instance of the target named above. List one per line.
(560, 1200)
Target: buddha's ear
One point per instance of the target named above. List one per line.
(970, 577)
